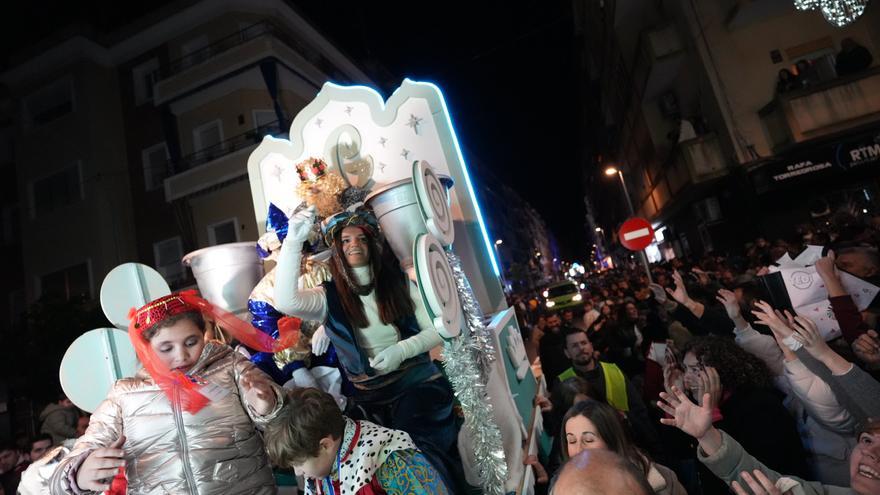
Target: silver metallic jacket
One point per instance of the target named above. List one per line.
(217, 450)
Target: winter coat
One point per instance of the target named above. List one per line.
(664, 481)
(167, 450)
(59, 421)
(731, 459)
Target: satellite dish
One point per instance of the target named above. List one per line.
(130, 285)
(93, 362)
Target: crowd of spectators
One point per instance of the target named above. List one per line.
(699, 385)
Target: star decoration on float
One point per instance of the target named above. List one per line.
(405, 154)
(414, 122)
(276, 171)
(382, 141)
(348, 109)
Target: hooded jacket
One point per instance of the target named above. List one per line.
(59, 421)
(167, 450)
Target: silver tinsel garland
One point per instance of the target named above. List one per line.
(467, 360)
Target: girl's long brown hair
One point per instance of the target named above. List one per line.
(390, 283)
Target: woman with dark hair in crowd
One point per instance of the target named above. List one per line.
(744, 402)
(591, 424)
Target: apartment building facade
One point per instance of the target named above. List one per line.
(133, 145)
(712, 153)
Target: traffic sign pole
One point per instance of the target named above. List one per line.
(636, 234)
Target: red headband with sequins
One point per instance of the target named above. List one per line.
(165, 307)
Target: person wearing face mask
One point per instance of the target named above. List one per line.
(189, 420)
(593, 425)
(381, 332)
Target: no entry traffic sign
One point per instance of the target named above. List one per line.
(636, 234)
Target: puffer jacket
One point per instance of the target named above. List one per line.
(169, 451)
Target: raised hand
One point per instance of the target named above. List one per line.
(807, 333)
(769, 317)
(686, 416)
(300, 225)
(760, 484)
(99, 468)
(544, 403)
(680, 294)
(259, 393)
(825, 266)
(867, 348)
(731, 305)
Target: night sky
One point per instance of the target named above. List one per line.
(507, 70)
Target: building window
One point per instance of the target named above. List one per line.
(155, 159)
(223, 232)
(71, 283)
(208, 135)
(169, 255)
(143, 77)
(57, 190)
(49, 103)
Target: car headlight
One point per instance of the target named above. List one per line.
(550, 304)
(577, 297)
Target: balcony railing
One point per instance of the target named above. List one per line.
(228, 146)
(254, 31)
(826, 108)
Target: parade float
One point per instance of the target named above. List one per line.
(404, 154)
(404, 159)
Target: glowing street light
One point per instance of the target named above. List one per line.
(614, 171)
(499, 242)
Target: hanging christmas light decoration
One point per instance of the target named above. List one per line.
(837, 12)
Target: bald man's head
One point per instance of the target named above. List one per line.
(600, 472)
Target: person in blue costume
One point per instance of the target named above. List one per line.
(380, 330)
(310, 362)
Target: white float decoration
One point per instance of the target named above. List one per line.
(93, 363)
(433, 200)
(130, 285)
(439, 236)
(99, 357)
(226, 274)
(437, 285)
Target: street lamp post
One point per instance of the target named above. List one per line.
(615, 171)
